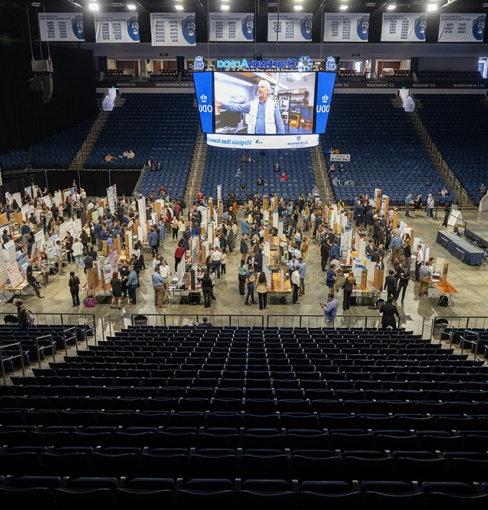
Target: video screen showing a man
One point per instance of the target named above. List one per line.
(264, 103)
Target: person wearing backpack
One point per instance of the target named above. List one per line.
(22, 317)
(74, 288)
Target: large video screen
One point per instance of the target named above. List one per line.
(264, 103)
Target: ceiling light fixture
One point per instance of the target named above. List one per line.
(432, 6)
(178, 7)
(391, 7)
(224, 7)
(93, 6)
(343, 7)
(131, 7)
(298, 7)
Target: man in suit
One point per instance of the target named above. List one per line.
(389, 313)
(403, 279)
(391, 285)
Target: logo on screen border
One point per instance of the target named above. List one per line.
(305, 63)
(199, 64)
(330, 64)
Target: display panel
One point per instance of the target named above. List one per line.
(264, 103)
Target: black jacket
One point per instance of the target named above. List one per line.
(390, 284)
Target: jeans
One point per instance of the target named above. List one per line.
(250, 294)
(263, 299)
(216, 266)
(207, 294)
(296, 289)
(131, 289)
(79, 261)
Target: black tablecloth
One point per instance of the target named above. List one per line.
(460, 248)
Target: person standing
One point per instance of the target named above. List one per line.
(158, 286)
(324, 253)
(244, 248)
(242, 275)
(347, 289)
(330, 278)
(207, 289)
(418, 262)
(389, 314)
(295, 282)
(425, 274)
(250, 282)
(44, 267)
(430, 206)
(302, 269)
(391, 285)
(132, 284)
(74, 288)
(216, 261)
(447, 213)
(153, 239)
(408, 204)
(223, 262)
(116, 285)
(262, 288)
(330, 310)
(78, 253)
(58, 255)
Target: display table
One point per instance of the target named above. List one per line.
(478, 236)
(460, 248)
(444, 288)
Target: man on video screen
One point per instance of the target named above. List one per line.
(263, 117)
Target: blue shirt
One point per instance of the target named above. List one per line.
(132, 279)
(335, 251)
(396, 242)
(302, 268)
(153, 238)
(330, 310)
(157, 280)
(260, 116)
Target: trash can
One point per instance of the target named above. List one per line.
(140, 320)
(440, 325)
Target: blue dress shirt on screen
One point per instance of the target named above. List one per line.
(261, 115)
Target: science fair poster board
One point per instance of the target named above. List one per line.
(112, 198)
(14, 275)
(61, 26)
(9, 251)
(346, 27)
(231, 27)
(403, 27)
(290, 27)
(117, 27)
(173, 29)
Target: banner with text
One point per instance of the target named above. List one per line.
(288, 27)
(403, 27)
(463, 27)
(263, 142)
(173, 29)
(112, 198)
(346, 27)
(117, 27)
(231, 27)
(61, 26)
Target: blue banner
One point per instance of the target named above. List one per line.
(323, 98)
(204, 94)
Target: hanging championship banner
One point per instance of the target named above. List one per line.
(61, 26)
(346, 27)
(403, 27)
(462, 27)
(168, 29)
(231, 27)
(117, 27)
(288, 27)
(112, 198)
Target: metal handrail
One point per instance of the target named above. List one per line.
(3, 360)
(473, 342)
(51, 344)
(462, 322)
(190, 319)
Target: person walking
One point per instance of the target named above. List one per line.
(262, 288)
(116, 285)
(330, 278)
(158, 286)
(295, 282)
(391, 285)
(223, 262)
(132, 284)
(153, 239)
(251, 283)
(74, 288)
(31, 280)
(58, 255)
(389, 314)
(207, 289)
(242, 275)
(302, 269)
(347, 289)
(44, 266)
(330, 310)
(179, 254)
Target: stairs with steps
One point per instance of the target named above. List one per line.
(320, 172)
(197, 167)
(439, 162)
(89, 142)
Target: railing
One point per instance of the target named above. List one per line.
(462, 323)
(3, 360)
(49, 342)
(153, 319)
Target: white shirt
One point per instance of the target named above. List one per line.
(164, 270)
(295, 277)
(77, 248)
(216, 256)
